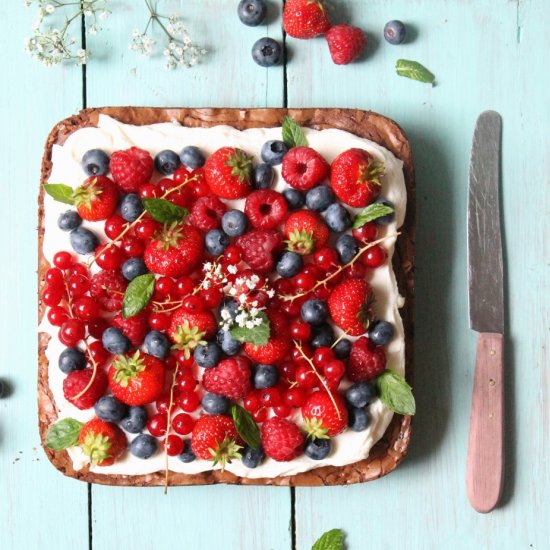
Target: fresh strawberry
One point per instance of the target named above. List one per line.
(134, 328)
(305, 232)
(230, 378)
(227, 172)
(207, 213)
(175, 251)
(215, 438)
(136, 379)
(355, 177)
(277, 346)
(107, 289)
(265, 208)
(282, 440)
(103, 442)
(96, 199)
(325, 415)
(305, 18)
(189, 329)
(349, 306)
(366, 361)
(259, 248)
(78, 380)
(131, 168)
(304, 167)
(345, 43)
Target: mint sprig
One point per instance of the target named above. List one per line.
(164, 211)
(245, 425)
(293, 134)
(372, 212)
(137, 295)
(331, 540)
(257, 335)
(395, 393)
(414, 70)
(63, 434)
(60, 192)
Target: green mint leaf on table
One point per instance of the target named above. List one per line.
(63, 434)
(258, 335)
(164, 211)
(414, 70)
(246, 427)
(331, 540)
(293, 135)
(395, 393)
(60, 192)
(138, 294)
(372, 212)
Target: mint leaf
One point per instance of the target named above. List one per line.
(414, 70)
(164, 211)
(246, 427)
(331, 540)
(395, 393)
(60, 192)
(258, 335)
(63, 434)
(137, 295)
(372, 212)
(293, 135)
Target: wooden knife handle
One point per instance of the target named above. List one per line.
(485, 470)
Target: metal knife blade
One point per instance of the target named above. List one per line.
(485, 266)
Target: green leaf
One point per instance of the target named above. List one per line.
(331, 540)
(246, 426)
(293, 135)
(60, 192)
(259, 335)
(63, 434)
(372, 212)
(138, 294)
(395, 393)
(164, 211)
(414, 70)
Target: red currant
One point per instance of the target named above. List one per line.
(173, 445)
(145, 228)
(185, 285)
(182, 360)
(199, 188)
(63, 260)
(54, 277)
(297, 355)
(322, 292)
(366, 233)
(159, 321)
(162, 404)
(170, 362)
(193, 304)
(334, 369)
(187, 382)
(282, 410)
(182, 197)
(303, 282)
(149, 191)
(288, 369)
(85, 308)
(321, 356)
(189, 401)
(164, 286)
(157, 425)
(305, 377)
(252, 401)
(291, 307)
(332, 383)
(96, 327)
(114, 226)
(132, 247)
(325, 258)
(183, 424)
(313, 270)
(71, 332)
(78, 285)
(182, 174)
(211, 297)
(300, 330)
(78, 270)
(98, 353)
(232, 255)
(260, 415)
(283, 286)
(270, 397)
(374, 257)
(295, 397)
(57, 316)
(52, 296)
(109, 257)
(165, 184)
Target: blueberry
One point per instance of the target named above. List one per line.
(358, 419)
(110, 409)
(289, 264)
(294, 198)
(234, 223)
(273, 152)
(157, 344)
(395, 32)
(265, 376)
(314, 311)
(3, 388)
(216, 241)
(69, 220)
(229, 345)
(337, 217)
(83, 240)
(252, 457)
(114, 341)
(131, 207)
(385, 220)
(251, 12)
(135, 420)
(380, 333)
(342, 349)
(192, 157)
(262, 176)
(319, 198)
(360, 394)
(317, 449)
(347, 248)
(71, 359)
(323, 336)
(143, 446)
(187, 455)
(133, 267)
(207, 356)
(167, 162)
(95, 162)
(231, 306)
(215, 404)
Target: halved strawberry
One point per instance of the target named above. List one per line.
(96, 199)
(227, 172)
(350, 304)
(103, 442)
(305, 232)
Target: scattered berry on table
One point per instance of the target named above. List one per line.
(207, 213)
(358, 419)
(135, 420)
(347, 248)
(337, 218)
(71, 359)
(395, 32)
(345, 43)
(69, 220)
(230, 378)
(314, 311)
(317, 449)
(77, 381)
(110, 409)
(131, 207)
(262, 176)
(252, 458)
(131, 168)
(103, 442)
(289, 264)
(265, 376)
(143, 446)
(303, 168)
(157, 344)
(133, 267)
(95, 162)
(380, 333)
(115, 342)
(208, 355)
(319, 198)
(213, 403)
(294, 198)
(273, 152)
(252, 12)
(267, 52)
(366, 361)
(83, 240)
(166, 162)
(234, 223)
(282, 440)
(216, 241)
(3, 388)
(305, 18)
(187, 454)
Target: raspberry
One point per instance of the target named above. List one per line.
(266, 209)
(366, 361)
(304, 167)
(77, 380)
(282, 440)
(259, 248)
(230, 378)
(207, 213)
(134, 328)
(131, 168)
(102, 286)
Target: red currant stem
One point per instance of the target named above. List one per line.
(112, 290)
(169, 427)
(321, 378)
(341, 337)
(168, 310)
(339, 270)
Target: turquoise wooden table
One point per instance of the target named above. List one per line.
(485, 54)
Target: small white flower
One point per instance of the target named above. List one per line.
(242, 298)
(258, 321)
(232, 269)
(239, 281)
(207, 266)
(254, 311)
(255, 279)
(249, 324)
(233, 291)
(225, 314)
(103, 15)
(135, 33)
(50, 8)
(251, 284)
(270, 293)
(254, 304)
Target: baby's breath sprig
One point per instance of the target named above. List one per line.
(180, 51)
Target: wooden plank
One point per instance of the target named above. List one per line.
(36, 501)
